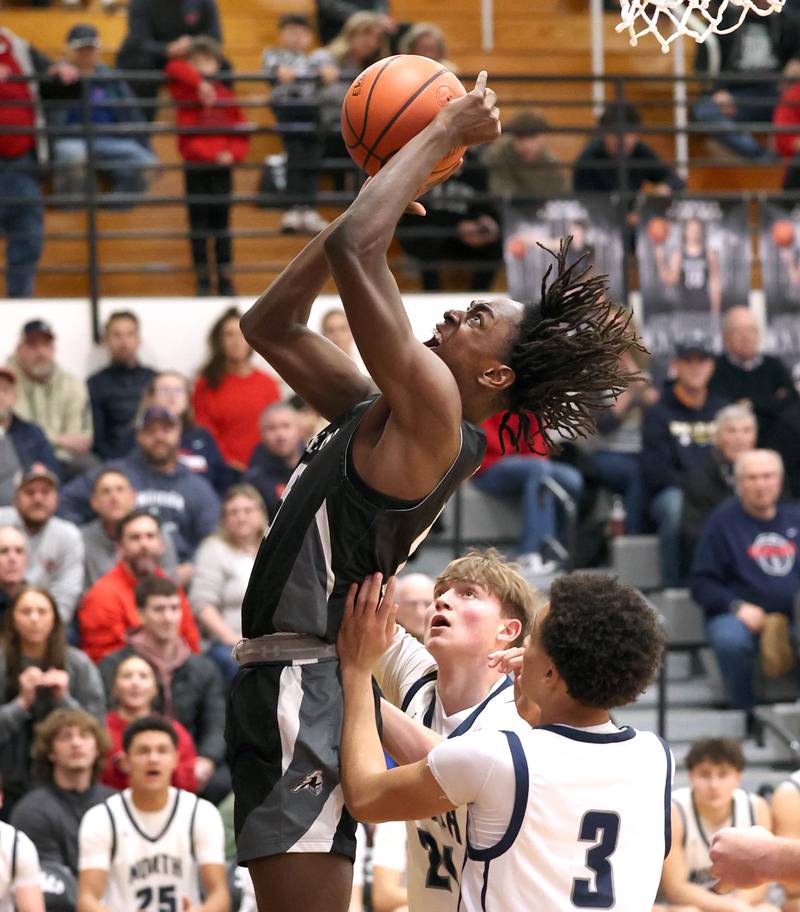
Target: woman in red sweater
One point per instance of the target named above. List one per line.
(134, 691)
(230, 394)
(204, 101)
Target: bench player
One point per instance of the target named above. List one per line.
(573, 814)
(370, 486)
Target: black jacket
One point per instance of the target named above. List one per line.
(704, 488)
(597, 170)
(269, 475)
(51, 816)
(198, 699)
(115, 393)
(153, 24)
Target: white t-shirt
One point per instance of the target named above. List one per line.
(560, 817)
(152, 857)
(389, 846)
(17, 854)
(435, 847)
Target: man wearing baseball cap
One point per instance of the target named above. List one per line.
(55, 546)
(21, 442)
(52, 397)
(677, 433)
(122, 157)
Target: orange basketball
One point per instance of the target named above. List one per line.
(392, 101)
(658, 230)
(783, 233)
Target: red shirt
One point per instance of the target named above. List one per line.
(205, 147)
(108, 611)
(231, 412)
(491, 428)
(17, 114)
(117, 778)
(787, 114)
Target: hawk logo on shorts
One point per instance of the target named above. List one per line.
(312, 782)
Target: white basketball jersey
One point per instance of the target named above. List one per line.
(589, 829)
(435, 847)
(795, 779)
(13, 843)
(152, 872)
(696, 840)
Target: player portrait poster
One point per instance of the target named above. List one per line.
(694, 263)
(779, 249)
(591, 221)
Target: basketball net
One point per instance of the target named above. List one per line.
(667, 20)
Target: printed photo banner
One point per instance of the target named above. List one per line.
(779, 249)
(591, 221)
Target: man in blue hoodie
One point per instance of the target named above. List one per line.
(676, 435)
(746, 576)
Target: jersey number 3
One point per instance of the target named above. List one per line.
(602, 829)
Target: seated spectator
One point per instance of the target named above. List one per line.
(427, 40)
(785, 115)
(597, 167)
(203, 100)
(190, 859)
(333, 16)
(520, 165)
(198, 451)
(334, 326)
(108, 611)
(468, 226)
(133, 693)
(55, 546)
(22, 443)
(275, 458)
(713, 799)
(224, 562)
(159, 32)
(52, 397)
(743, 372)
(676, 436)
(39, 672)
(711, 481)
(230, 394)
(69, 750)
(185, 503)
(758, 48)
(20, 887)
(124, 159)
(786, 824)
(783, 437)
(191, 689)
(311, 422)
(113, 497)
(520, 476)
(13, 564)
(413, 594)
(116, 390)
(389, 891)
(296, 76)
(615, 452)
(746, 576)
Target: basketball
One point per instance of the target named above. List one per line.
(783, 233)
(392, 101)
(658, 230)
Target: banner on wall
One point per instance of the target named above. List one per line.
(779, 249)
(591, 221)
(694, 259)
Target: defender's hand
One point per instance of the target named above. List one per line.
(367, 624)
(475, 118)
(738, 857)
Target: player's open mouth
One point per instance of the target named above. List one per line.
(435, 340)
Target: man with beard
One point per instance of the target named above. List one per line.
(108, 610)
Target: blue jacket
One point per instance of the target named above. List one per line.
(675, 438)
(740, 558)
(31, 445)
(185, 504)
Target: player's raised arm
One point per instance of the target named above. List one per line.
(419, 388)
(277, 328)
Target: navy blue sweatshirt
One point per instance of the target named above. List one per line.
(115, 393)
(741, 558)
(675, 438)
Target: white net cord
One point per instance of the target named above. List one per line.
(667, 20)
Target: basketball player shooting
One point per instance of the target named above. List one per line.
(370, 486)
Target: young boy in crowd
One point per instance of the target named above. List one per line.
(714, 799)
(204, 101)
(295, 76)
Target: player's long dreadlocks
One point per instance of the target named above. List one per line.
(567, 355)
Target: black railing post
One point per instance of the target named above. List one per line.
(623, 177)
(92, 264)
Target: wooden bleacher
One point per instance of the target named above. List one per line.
(554, 39)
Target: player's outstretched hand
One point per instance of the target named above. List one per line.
(474, 118)
(367, 624)
(740, 857)
(508, 661)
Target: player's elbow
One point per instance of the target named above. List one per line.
(358, 802)
(350, 242)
